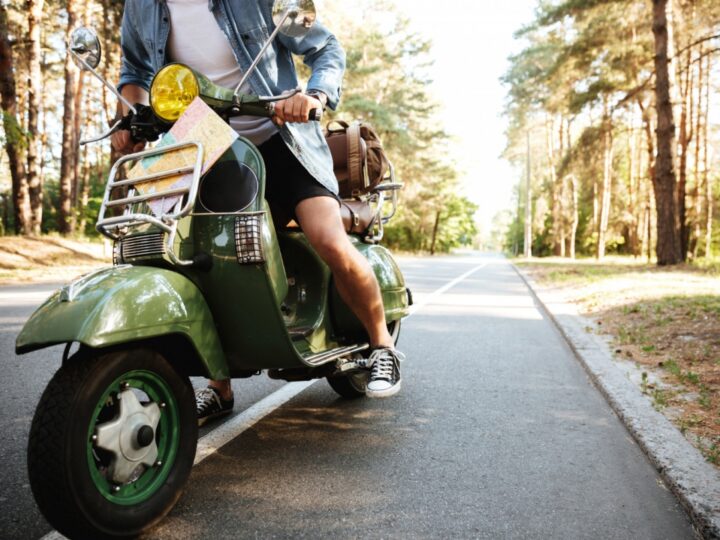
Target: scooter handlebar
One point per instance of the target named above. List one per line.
(316, 115)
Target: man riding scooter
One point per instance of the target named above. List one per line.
(220, 38)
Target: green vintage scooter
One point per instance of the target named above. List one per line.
(210, 287)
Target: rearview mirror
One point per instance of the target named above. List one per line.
(85, 48)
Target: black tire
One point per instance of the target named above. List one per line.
(355, 386)
(64, 467)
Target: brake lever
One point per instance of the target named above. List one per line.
(115, 127)
(285, 95)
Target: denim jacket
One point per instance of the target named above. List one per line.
(247, 25)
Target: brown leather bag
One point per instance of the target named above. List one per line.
(357, 216)
(359, 160)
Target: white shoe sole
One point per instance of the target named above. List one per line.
(384, 393)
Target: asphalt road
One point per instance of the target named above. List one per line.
(497, 433)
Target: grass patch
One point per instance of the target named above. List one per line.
(671, 366)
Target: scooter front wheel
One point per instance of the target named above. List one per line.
(112, 443)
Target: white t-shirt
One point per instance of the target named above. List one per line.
(197, 40)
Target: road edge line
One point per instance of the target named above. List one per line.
(211, 442)
(442, 290)
(694, 481)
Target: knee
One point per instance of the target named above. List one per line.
(334, 252)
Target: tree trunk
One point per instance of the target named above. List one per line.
(555, 188)
(435, 231)
(633, 187)
(685, 137)
(68, 152)
(13, 131)
(575, 216)
(707, 180)
(34, 11)
(668, 230)
(605, 197)
(697, 184)
(84, 191)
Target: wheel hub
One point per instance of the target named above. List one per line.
(145, 436)
(130, 437)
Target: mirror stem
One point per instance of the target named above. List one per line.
(100, 78)
(247, 74)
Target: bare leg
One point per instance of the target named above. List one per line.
(223, 387)
(320, 220)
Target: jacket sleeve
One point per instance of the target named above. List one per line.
(323, 54)
(135, 66)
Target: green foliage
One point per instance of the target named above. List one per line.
(12, 131)
(587, 65)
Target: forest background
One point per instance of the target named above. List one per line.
(48, 183)
(613, 116)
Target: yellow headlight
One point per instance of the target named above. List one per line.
(172, 90)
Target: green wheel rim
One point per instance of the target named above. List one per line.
(167, 438)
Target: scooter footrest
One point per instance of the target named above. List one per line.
(352, 366)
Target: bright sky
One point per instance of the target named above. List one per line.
(472, 40)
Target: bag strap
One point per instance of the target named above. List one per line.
(354, 153)
(342, 125)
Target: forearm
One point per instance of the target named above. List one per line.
(134, 94)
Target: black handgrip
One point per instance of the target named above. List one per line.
(315, 115)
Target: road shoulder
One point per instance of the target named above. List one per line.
(693, 480)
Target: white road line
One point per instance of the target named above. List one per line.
(53, 535)
(223, 434)
(231, 429)
(434, 295)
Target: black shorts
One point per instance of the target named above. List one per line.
(287, 181)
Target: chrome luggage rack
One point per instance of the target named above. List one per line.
(116, 227)
(378, 196)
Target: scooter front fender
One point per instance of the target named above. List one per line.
(123, 304)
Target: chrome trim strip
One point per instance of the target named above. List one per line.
(149, 197)
(227, 213)
(129, 220)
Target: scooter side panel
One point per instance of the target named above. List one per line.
(244, 302)
(123, 304)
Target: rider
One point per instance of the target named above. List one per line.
(220, 38)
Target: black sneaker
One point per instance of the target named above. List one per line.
(385, 372)
(210, 404)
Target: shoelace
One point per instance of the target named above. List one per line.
(205, 399)
(384, 363)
